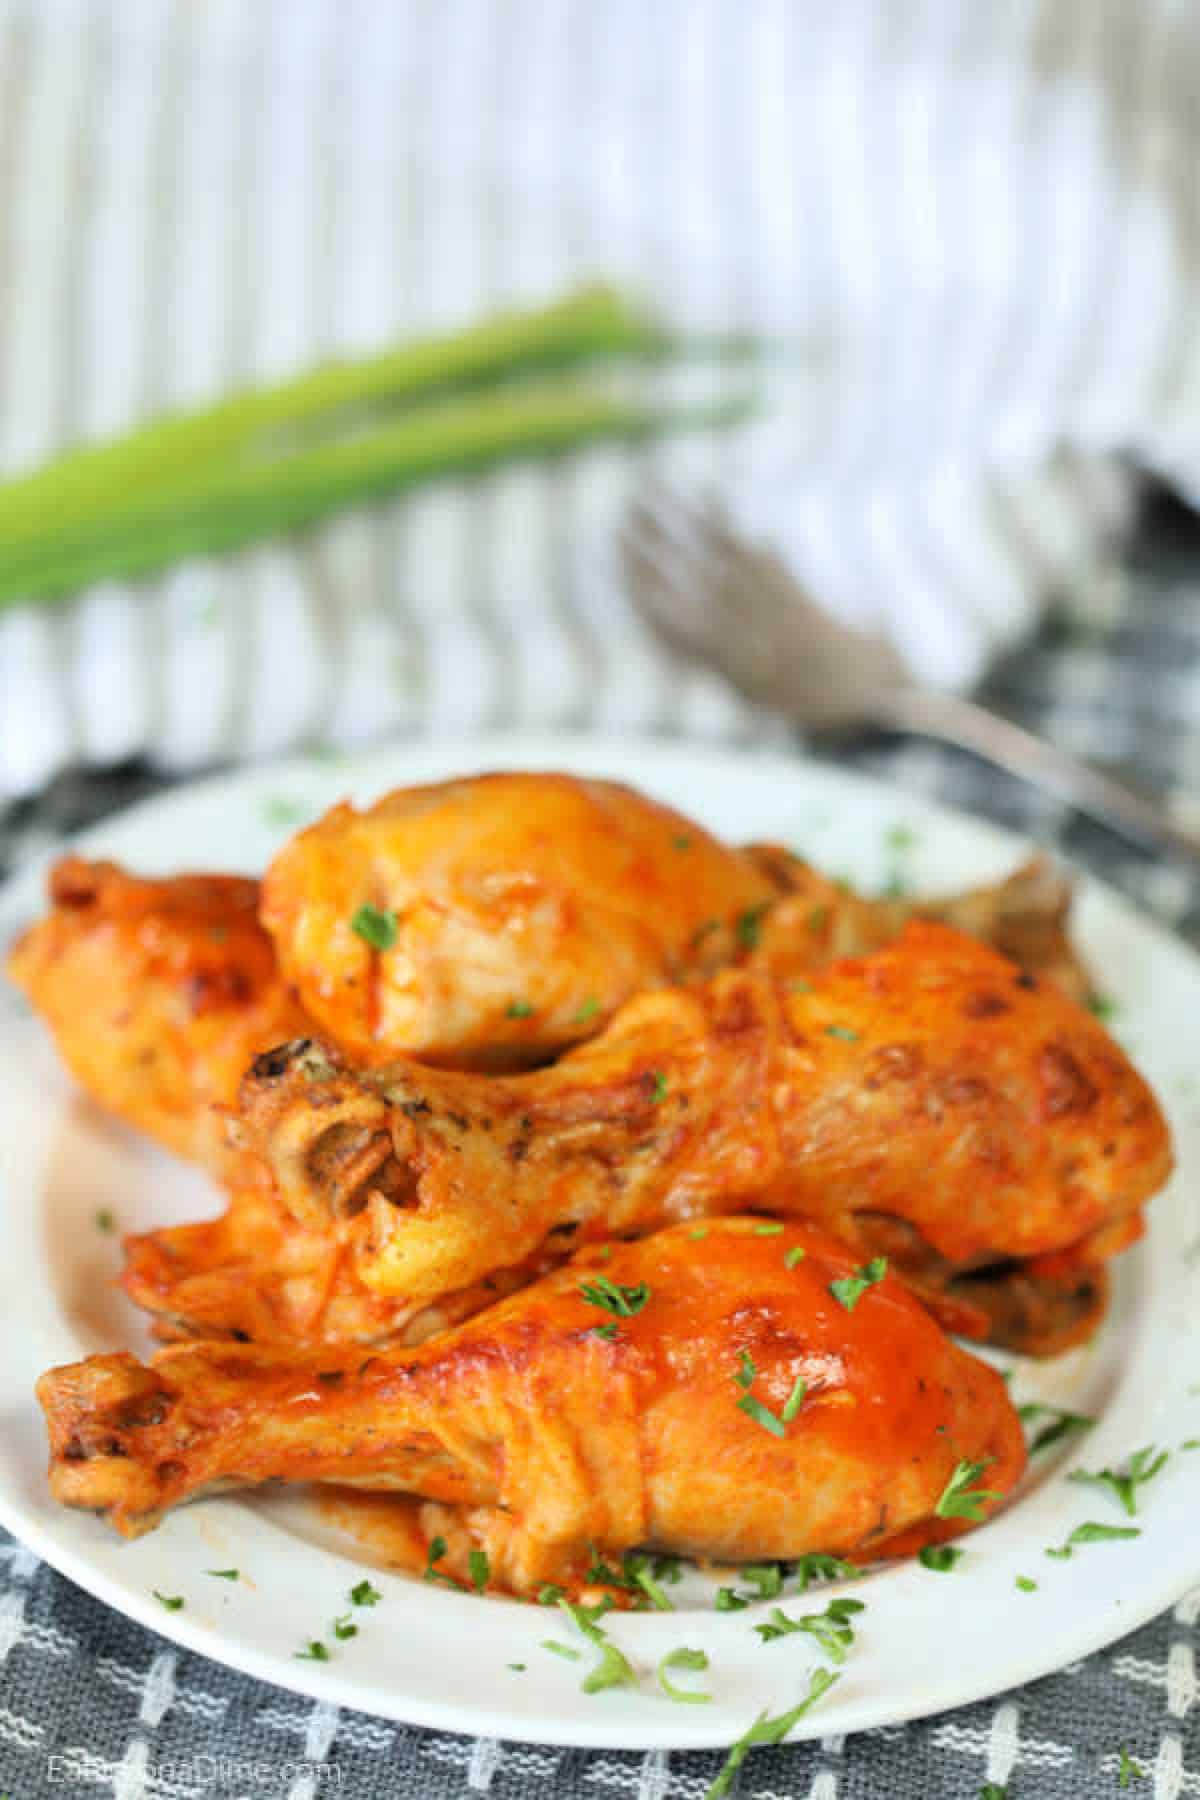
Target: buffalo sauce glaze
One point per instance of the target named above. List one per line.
(722, 1317)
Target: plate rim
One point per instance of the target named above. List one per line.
(357, 1693)
(347, 1693)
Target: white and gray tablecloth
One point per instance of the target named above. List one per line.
(131, 1717)
(978, 226)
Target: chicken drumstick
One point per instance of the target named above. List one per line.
(928, 1101)
(725, 1396)
(158, 994)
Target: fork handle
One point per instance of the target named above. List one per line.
(952, 720)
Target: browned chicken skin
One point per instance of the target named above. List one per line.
(817, 920)
(158, 994)
(929, 1101)
(526, 908)
(553, 1442)
(523, 909)
(256, 1274)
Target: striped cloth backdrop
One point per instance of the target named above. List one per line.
(975, 226)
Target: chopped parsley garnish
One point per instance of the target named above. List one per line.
(1062, 1422)
(279, 809)
(749, 927)
(562, 1649)
(363, 1594)
(832, 1628)
(765, 1578)
(640, 1568)
(587, 1011)
(779, 1625)
(1103, 1005)
(698, 1231)
(769, 1731)
(991, 1790)
(611, 1297)
(845, 1032)
(663, 1566)
(754, 1408)
(375, 926)
(763, 1575)
(549, 1595)
(659, 1599)
(768, 1228)
(762, 1415)
(941, 1558)
(1026, 1585)
(816, 1567)
(818, 918)
(614, 1668)
(517, 1668)
(1092, 1533)
(1143, 1465)
(682, 1659)
(682, 842)
(316, 1651)
(172, 1602)
(793, 1256)
(1128, 1770)
(435, 1553)
(603, 1573)
(480, 1568)
(795, 1400)
(608, 1332)
(851, 1288)
(105, 1222)
(959, 1500)
(1190, 1444)
(586, 1617)
(900, 837)
(518, 1009)
(659, 1090)
(223, 1574)
(729, 1600)
(344, 1627)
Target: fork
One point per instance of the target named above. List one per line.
(722, 601)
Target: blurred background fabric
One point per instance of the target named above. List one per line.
(971, 231)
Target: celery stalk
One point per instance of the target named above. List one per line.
(87, 482)
(233, 503)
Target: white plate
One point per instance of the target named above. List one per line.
(926, 1641)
